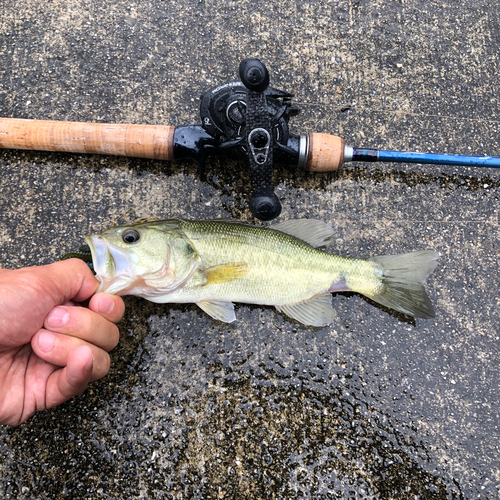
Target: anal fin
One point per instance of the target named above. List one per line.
(317, 311)
(223, 311)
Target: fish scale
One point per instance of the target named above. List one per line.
(282, 268)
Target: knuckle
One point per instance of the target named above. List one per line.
(81, 320)
(78, 265)
(106, 333)
(103, 366)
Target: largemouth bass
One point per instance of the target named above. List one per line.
(214, 263)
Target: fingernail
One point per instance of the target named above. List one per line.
(106, 304)
(57, 317)
(46, 341)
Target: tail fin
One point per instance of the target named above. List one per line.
(403, 277)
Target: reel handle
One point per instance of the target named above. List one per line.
(259, 138)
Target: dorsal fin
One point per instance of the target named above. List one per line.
(315, 232)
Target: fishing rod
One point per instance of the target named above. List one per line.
(241, 120)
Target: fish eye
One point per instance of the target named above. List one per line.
(131, 236)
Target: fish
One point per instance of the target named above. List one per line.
(214, 263)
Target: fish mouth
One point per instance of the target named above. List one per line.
(110, 265)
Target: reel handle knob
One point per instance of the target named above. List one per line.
(254, 75)
(264, 204)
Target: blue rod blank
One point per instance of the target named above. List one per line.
(438, 159)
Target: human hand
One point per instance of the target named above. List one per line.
(50, 348)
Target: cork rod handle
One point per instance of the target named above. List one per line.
(326, 152)
(140, 141)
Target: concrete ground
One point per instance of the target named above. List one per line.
(375, 406)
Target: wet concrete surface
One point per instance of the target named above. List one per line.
(376, 406)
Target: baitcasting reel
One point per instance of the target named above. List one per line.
(249, 120)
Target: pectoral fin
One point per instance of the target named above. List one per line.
(225, 272)
(317, 311)
(223, 311)
(315, 232)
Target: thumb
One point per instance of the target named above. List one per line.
(66, 280)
